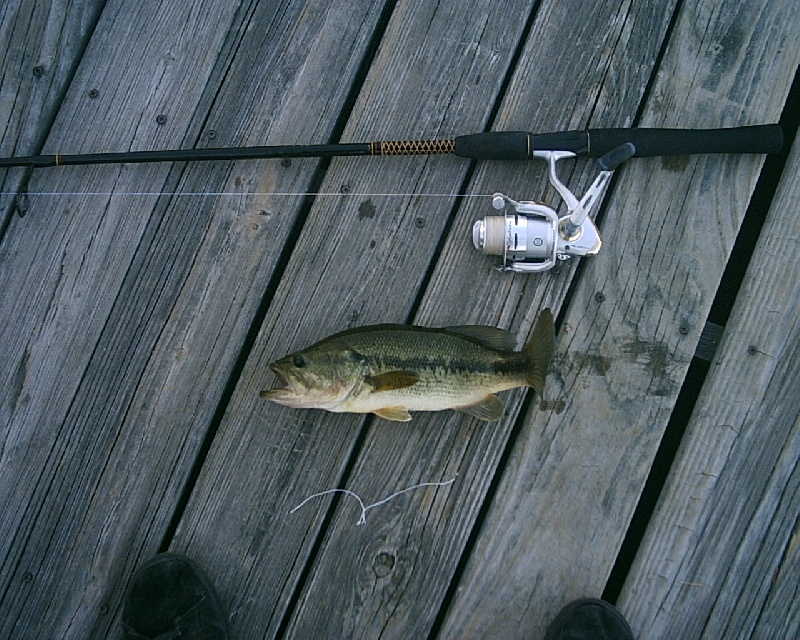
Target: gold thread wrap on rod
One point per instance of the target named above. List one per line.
(412, 147)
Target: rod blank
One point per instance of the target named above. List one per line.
(492, 145)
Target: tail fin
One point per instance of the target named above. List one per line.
(540, 350)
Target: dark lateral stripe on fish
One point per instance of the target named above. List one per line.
(517, 363)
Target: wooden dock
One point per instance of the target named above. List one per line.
(141, 305)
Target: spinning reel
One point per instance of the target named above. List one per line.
(532, 237)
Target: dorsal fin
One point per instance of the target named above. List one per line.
(490, 337)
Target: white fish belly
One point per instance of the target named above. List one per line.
(430, 400)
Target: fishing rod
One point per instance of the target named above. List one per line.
(532, 237)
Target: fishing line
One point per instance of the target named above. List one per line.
(243, 193)
(364, 508)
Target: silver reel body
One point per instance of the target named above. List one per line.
(531, 237)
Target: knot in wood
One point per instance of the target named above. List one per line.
(383, 564)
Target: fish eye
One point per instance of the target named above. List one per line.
(299, 361)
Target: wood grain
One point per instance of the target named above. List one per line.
(63, 266)
(396, 571)
(358, 260)
(137, 329)
(117, 351)
(720, 555)
(41, 44)
(565, 498)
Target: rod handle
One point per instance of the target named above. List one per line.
(495, 145)
(520, 145)
(767, 138)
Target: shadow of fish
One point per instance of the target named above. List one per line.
(391, 370)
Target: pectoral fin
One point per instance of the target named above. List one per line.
(392, 380)
(395, 414)
(490, 408)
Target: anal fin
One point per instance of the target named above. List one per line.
(395, 414)
(490, 408)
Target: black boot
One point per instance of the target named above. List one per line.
(589, 619)
(170, 597)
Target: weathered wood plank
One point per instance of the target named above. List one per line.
(40, 46)
(166, 301)
(294, 454)
(121, 352)
(397, 569)
(358, 260)
(421, 538)
(571, 483)
(720, 557)
(62, 267)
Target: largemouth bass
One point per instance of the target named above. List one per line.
(391, 370)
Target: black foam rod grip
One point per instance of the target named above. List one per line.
(520, 145)
(766, 138)
(495, 145)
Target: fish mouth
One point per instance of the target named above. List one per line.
(282, 376)
(303, 390)
(291, 386)
(279, 396)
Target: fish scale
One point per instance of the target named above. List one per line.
(393, 370)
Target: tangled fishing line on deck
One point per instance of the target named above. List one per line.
(364, 508)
